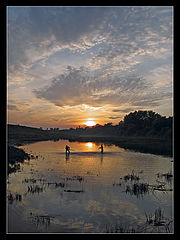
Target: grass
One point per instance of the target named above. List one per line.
(132, 185)
(35, 189)
(41, 220)
(15, 197)
(157, 223)
(131, 177)
(168, 177)
(74, 178)
(159, 220)
(75, 191)
(138, 189)
(120, 228)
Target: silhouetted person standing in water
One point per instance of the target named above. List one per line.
(67, 149)
(101, 147)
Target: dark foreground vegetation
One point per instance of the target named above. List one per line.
(15, 156)
(144, 131)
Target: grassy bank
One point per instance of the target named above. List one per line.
(20, 135)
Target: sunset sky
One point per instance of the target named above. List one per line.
(67, 65)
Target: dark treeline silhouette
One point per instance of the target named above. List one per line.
(146, 123)
(138, 123)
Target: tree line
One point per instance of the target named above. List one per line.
(137, 123)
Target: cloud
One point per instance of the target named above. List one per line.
(116, 117)
(125, 110)
(77, 87)
(34, 33)
(133, 34)
(37, 32)
(161, 76)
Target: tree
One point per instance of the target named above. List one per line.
(109, 124)
(147, 123)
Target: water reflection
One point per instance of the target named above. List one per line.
(67, 156)
(101, 156)
(92, 188)
(89, 144)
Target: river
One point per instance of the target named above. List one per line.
(89, 192)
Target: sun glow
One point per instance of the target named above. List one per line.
(90, 123)
(89, 144)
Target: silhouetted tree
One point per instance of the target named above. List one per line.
(147, 123)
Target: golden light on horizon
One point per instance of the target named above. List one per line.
(90, 123)
(89, 144)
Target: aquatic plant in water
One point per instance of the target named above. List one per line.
(137, 189)
(131, 177)
(159, 220)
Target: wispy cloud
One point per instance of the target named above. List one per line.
(37, 32)
(77, 86)
(125, 31)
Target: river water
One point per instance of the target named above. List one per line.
(88, 192)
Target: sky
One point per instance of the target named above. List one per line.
(67, 65)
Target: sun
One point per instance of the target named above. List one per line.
(89, 144)
(90, 123)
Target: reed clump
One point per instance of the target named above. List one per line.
(14, 197)
(137, 189)
(120, 228)
(43, 220)
(156, 222)
(35, 189)
(131, 177)
(159, 220)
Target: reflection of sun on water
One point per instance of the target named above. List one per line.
(89, 144)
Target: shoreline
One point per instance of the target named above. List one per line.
(139, 144)
(152, 145)
(19, 135)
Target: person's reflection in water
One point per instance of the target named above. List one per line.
(67, 157)
(101, 159)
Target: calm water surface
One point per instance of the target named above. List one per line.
(85, 191)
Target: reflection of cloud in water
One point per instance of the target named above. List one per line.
(120, 208)
(78, 224)
(72, 225)
(95, 208)
(127, 212)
